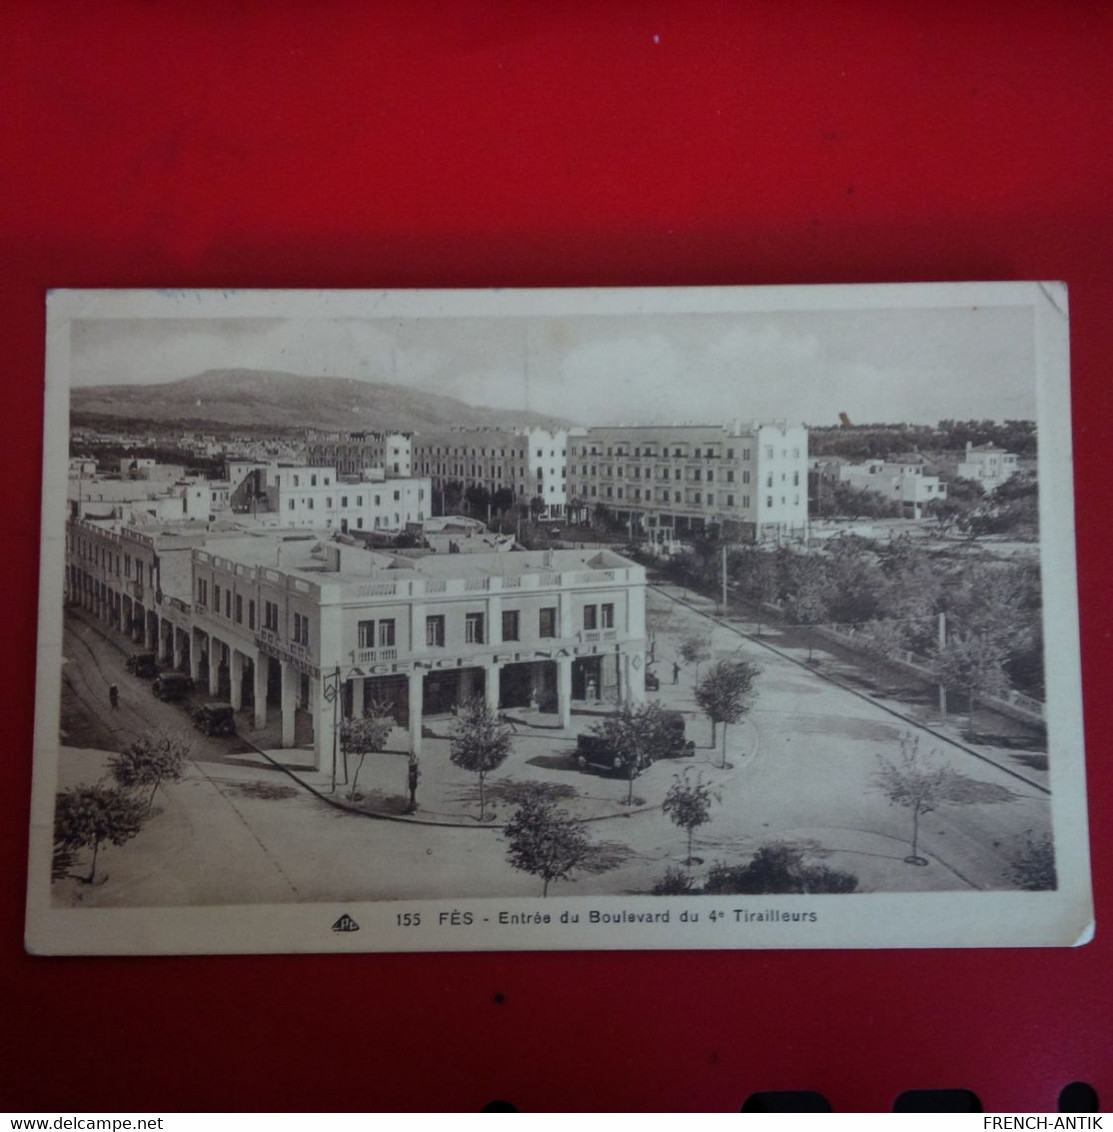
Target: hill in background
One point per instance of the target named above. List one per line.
(265, 399)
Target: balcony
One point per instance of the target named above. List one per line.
(595, 636)
(374, 656)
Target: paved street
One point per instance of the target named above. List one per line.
(236, 829)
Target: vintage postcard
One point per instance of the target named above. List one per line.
(459, 620)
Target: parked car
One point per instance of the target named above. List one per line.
(172, 686)
(652, 681)
(215, 719)
(142, 664)
(596, 753)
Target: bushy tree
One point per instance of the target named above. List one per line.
(87, 816)
(854, 584)
(363, 734)
(1034, 867)
(688, 805)
(973, 663)
(777, 868)
(545, 841)
(807, 601)
(724, 694)
(638, 735)
(479, 743)
(917, 783)
(150, 761)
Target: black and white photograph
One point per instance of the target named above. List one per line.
(485, 620)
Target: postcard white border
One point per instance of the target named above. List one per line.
(876, 920)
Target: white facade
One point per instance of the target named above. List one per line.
(532, 463)
(142, 501)
(900, 483)
(354, 453)
(676, 480)
(316, 497)
(338, 627)
(988, 465)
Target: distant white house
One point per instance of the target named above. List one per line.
(984, 463)
(903, 483)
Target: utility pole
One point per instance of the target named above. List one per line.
(942, 645)
(724, 578)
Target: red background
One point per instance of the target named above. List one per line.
(347, 144)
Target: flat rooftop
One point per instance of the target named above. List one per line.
(310, 557)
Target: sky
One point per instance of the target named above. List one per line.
(919, 365)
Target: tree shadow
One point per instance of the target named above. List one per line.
(270, 791)
(603, 856)
(511, 792)
(554, 762)
(965, 791)
(1032, 762)
(378, 802)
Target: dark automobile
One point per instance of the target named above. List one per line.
(142, 664)
(172, 686)
(595, 751)
(652, 681)
(215, 719)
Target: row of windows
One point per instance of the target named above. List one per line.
(681, 452)
(105, 559)
(678, 452)
(308, 502)
(380, 633)
(664, 495)
(225, 602)
(312, 480)
(695, 476)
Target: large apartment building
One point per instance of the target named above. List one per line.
(670, 481)
(532, 463)
(354, 453)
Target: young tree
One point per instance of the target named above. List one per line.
(479, 743)
(915, 782)
(724, 695)
(545, 841)
(694, 650)
(87, 816)
(149, 761)
(688, 806)
(972, 662)
(638, 736)
(361, 735)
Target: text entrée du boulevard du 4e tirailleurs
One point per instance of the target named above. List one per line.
(622, 918)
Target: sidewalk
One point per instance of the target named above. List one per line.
(542, 755)
(915, 705)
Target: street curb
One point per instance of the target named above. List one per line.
(853, 691)
(340, 804)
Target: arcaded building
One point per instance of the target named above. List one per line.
(291, 622)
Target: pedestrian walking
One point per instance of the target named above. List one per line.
(413, 776)
(114, 696)
(675, 672)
